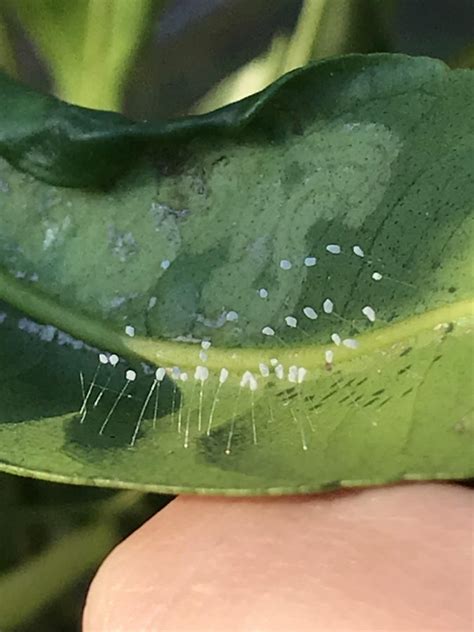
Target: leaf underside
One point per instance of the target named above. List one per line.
(318, 235)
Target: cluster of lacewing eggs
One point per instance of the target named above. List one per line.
(248, 380)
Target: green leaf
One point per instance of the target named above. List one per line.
(354, 26)
(30, 586)
(182, 230)
(464, 58)
(286, 52)
(7, 58)
(324, 29)
(89, 45)
(51, 536)
(43, 579)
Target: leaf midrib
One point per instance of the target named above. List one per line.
(168, 353)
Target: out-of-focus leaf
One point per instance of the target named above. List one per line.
(251, 78)
(36, 515)
(353, 26)
(26, 589)
(89, 45)
(324, 29)
(464, 59)
(285, 53)
(7, 58)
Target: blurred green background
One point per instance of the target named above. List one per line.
(162, 58)
(158, 59)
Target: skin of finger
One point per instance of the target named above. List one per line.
(390, 559)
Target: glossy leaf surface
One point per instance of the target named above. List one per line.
(317, 235)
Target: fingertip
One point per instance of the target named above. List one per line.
(376, 559)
